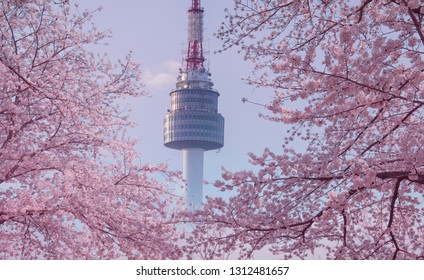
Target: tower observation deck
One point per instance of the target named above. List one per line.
(193, 124)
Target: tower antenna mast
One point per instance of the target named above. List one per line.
(195, 56)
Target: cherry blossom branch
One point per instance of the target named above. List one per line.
(380, 175)
(19, 75)
(393, 129)
(362, 8)
(417, 24)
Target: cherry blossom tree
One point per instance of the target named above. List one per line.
(71, 185)
(349, 81)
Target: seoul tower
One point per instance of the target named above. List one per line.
(193, 124)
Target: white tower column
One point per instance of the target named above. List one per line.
(193, 174)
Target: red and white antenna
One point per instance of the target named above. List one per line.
(195, 56)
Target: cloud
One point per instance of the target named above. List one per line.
(164, 78)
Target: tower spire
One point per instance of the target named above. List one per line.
(195, 58)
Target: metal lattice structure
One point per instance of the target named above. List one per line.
(195, 57)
